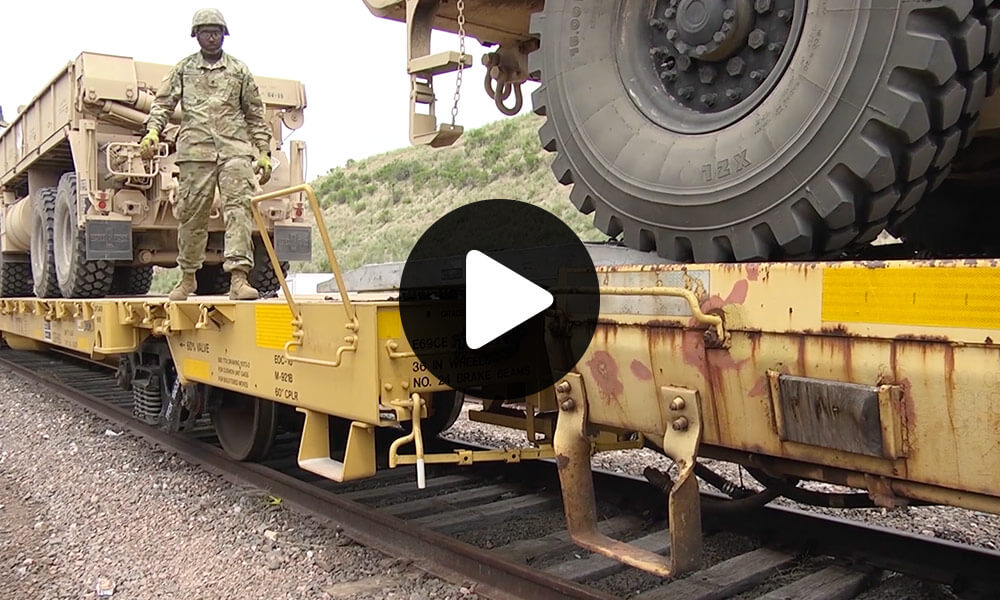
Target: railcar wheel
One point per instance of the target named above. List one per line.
(735, 130)
(245, 425)
(445, 409)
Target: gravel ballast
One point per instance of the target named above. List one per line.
(87, 511)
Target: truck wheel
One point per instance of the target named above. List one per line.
(212, 280)
(15, 278)
(731, 130)
(263, 277)
(77, 276)
(43, 266)
(131, 281)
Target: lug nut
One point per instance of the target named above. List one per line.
(677, 403)
(735, 66)
(719, 37)
(729, 14)
(706, 74)
(774, 47)
(672, 35)
(680, 424)
(701, 49)
(762, 6)
(785, 15)
(668, 75)
(686, 92)
(683, 62)
(567, 404)
(563, 387)
(708, 99)
(658, 24)
(756, 38)
(756, 76)
(670, 13)
(734, 94)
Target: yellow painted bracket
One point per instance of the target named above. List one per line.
(298, 331)
(314, 449)
(573, 450)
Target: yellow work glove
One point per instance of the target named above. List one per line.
(147, 147)
(263, 167)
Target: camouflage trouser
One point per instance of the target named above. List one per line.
(236, 183)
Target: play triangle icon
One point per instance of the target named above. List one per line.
(497, 299)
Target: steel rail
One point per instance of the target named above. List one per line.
(436, 553)
(965, 567)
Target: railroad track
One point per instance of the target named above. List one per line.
(501, 526)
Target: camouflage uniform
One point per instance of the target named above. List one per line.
(222, 131)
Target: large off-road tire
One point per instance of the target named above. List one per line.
(77, 276)
(131, 281)
(43, 264)
(263, 277)
(15, 278)
(854, 113)
(212, 279)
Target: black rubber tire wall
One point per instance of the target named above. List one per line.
(43, 269)
(131, 281)
(867, 118)
(213, 280)
(81, 278)
(15, 279)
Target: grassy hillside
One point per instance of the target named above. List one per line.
(375, 208)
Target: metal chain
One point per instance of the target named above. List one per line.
(461, 49)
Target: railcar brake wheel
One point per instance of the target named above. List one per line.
(245, 425)
(737, 130)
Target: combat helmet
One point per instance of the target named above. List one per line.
(208, 16)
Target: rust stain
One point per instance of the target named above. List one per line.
(759, 388)
(800, 361)
(753, 271)
(737, 295)
(561, 461)
(604, 370)
(989, 340)
(640, 370)
(921, 338)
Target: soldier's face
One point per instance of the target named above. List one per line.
(210, 38)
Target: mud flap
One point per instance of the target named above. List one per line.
(108, 239)
(293, 241)
(573, 452)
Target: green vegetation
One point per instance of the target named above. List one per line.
(377, 207)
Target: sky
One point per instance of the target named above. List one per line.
(353, 64)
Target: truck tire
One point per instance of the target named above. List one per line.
(771, 130)
(15, 278)
(131, 281)
(263, 276)
(43, 265)
(212, 280)
(77, 276)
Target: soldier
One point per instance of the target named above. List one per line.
(222, 132)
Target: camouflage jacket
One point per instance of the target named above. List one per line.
(222, 114)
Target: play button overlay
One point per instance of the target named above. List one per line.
(498, 299)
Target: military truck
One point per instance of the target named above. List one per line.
(743, 130)
(84, 215)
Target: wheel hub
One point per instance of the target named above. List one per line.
(713, 56)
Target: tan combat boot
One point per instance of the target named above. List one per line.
(184, 288)
(239, 289)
